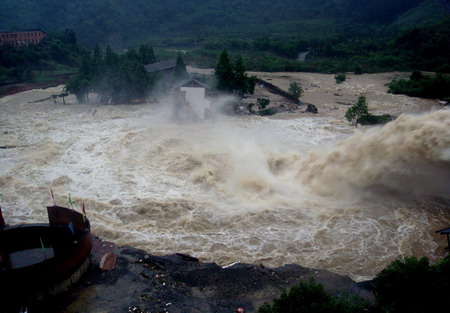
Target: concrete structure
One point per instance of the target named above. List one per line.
(22, 38)
(38, 260)
(192, 95)
(166, 68)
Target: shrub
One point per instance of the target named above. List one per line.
(262, 103)
(358, 113)
(432, 86)
(310, 297)
(370, 119)
(266, 112)
(340, 78)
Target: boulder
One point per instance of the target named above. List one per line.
(311, 109)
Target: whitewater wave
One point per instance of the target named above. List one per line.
(250, 189)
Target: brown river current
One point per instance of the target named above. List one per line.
(308, 190)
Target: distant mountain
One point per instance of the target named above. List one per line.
(126, 22)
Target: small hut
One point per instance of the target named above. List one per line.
(445, 231)
(193, 94)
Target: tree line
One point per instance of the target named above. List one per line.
(119, 78)
(57, 52)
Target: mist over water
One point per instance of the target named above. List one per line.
(247, 189)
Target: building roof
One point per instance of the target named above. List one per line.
(444, 231)
(160, 66)
(23, 31)
(190, 82)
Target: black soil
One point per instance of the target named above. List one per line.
(179, 283)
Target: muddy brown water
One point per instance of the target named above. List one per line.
(301, 189)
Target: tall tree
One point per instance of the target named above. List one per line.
(69, 37)
(146, 54)
(180, 71)
(242, 83)
(224, 73)
(357, 110)
(295, 90)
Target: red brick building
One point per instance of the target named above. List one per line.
(22, 38)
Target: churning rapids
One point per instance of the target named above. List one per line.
(306, 190)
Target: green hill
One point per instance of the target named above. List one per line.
(341, 35)
(121, 23)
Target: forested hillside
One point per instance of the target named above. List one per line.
(338, 35)
(121, 23)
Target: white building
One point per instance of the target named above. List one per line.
(192, 95)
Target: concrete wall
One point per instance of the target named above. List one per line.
(195, 97)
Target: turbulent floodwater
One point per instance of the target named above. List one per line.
(307, 190)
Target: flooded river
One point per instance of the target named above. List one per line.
(308, 190)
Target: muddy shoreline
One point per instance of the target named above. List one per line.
(142, 282)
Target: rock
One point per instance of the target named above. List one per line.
(311, 109)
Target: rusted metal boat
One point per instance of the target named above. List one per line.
(37, 260)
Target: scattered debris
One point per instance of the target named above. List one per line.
(136, 309)
(230, 265)
(108, 262)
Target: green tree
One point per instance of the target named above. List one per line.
(242, 83)
(69, 37)
(295, 90)
(146, 54)
(96, 63)
(233, 79)
(357, 110)
(224, 73)
(263, 103)
(121, 77)
(411, 285)
(78, 86)
(133, 56)
(180, 71)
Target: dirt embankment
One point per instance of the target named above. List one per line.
(53, 81)
(333, 99)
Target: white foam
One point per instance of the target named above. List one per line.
(234, 188)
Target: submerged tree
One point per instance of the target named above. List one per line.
(80, 85)
(295, 90)
(357, 110)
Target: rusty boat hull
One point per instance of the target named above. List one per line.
(37, 260)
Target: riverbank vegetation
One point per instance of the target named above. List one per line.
(117, 78)
(310, 297)
(358, 113)
(433, 86)
(407, 285)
